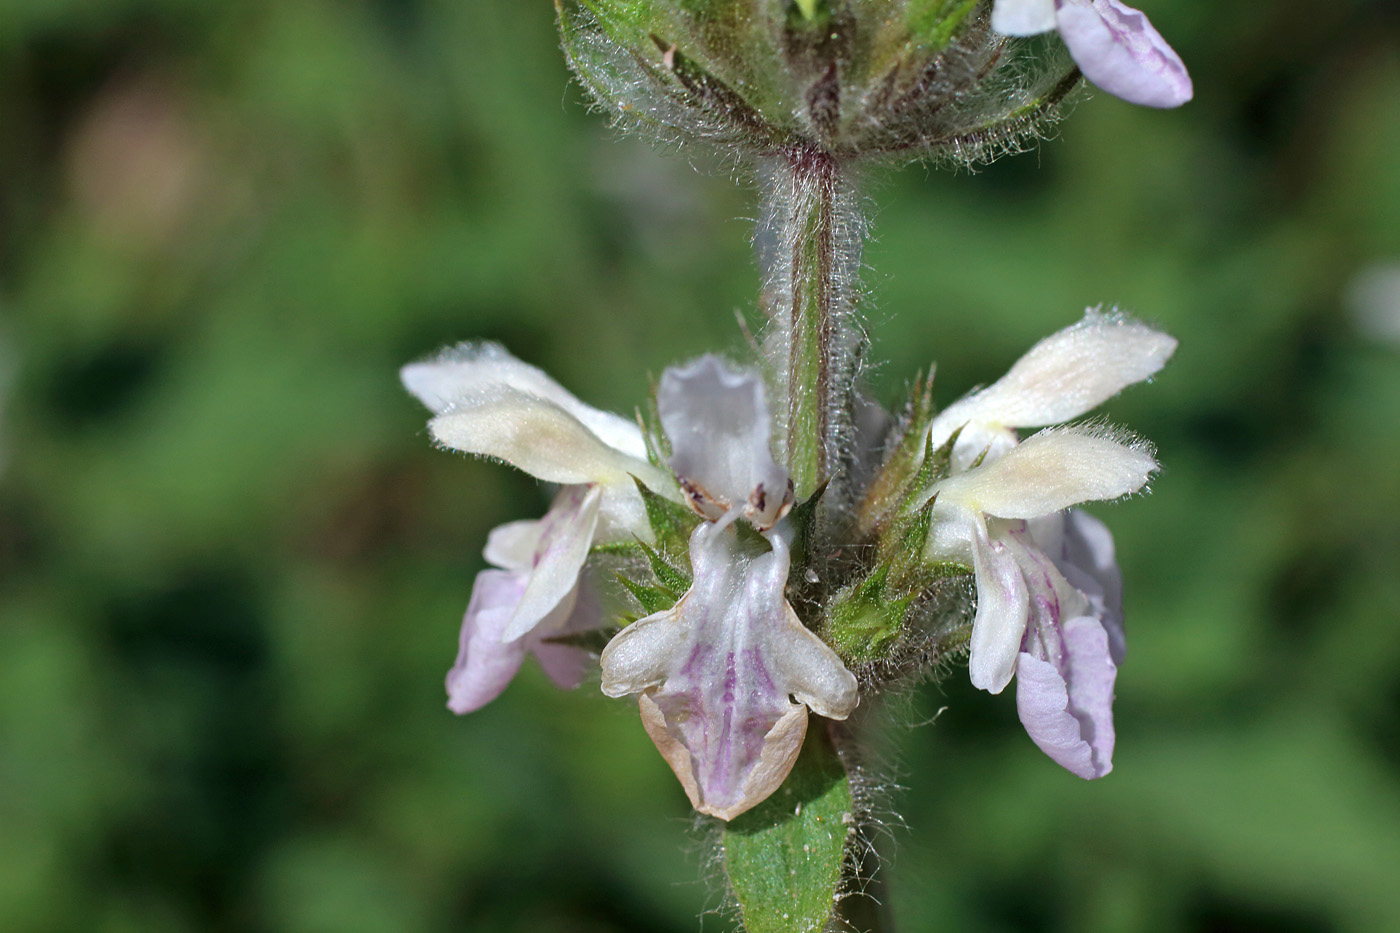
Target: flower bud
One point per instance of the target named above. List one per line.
(911, 78)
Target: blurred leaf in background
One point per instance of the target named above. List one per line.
(232, 566)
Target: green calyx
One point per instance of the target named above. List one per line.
(910, 78)
(671, 523)
(866, 619)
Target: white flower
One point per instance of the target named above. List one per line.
(491, 404)
(727, 675)
(486, 402)
(976, 515)
(1062, 377)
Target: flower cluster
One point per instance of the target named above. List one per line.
(725, 669)
(858, 78)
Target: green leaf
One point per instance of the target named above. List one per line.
(784, 857)
(593, 641)
(803, 518)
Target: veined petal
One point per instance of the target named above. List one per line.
(1023, 17)
(1003, 608)
(565, 536)
(1051, 471)
(1066, 703)
(1063, 376)
(1120, 51)
(719, 427)
(468, 371)
(485, 663)
(1086, 557)
(806, 666)
(717, 673)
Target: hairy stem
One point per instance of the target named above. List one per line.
(809, 244)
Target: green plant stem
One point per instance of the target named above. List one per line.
(809, 244)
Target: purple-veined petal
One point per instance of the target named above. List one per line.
(765, 774)
(1051, 471)
(485, 663)
(566, 534)
(718, 671)
(1066, 704)
(1003, 607)
(1023, 17)
(1086, 558)
(719, 427)
(460, 374)
(1063, 376)
(1120, 51)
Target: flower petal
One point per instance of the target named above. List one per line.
(485, 663)
(719, 427)
(1067, 708)
(1023, 17)
(1051, 471)
(466, 372)
(781, 746)
(538, 436)
(1086, 558)
(565, 664)
(718, 671)
(1119, 50)
(1062, 377)
(1003, 607)
(512, 546)
(566, 534)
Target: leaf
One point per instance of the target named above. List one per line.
(784, 857)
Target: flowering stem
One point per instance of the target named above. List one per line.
(809, 244)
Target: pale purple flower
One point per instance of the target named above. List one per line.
(536, 592)
(1004, 518)
(1049, 593)
(488, 403)
(726, 677)
(1114, 45)
(1073, 644)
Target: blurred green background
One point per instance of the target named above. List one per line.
(232, 567)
